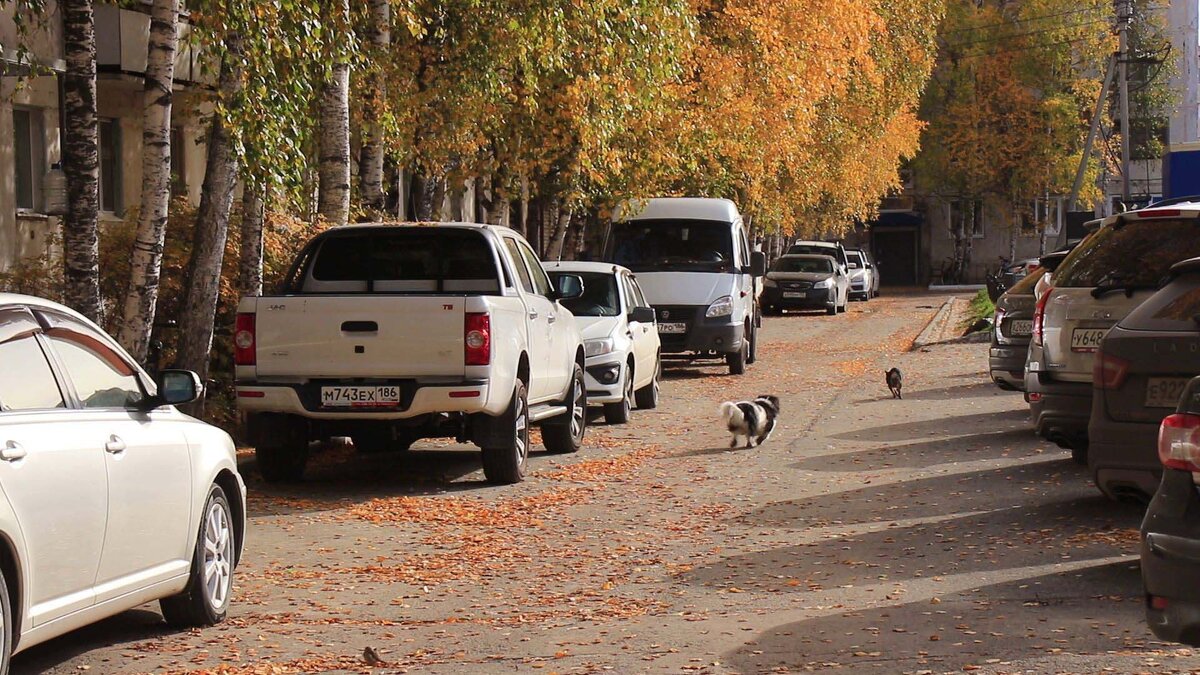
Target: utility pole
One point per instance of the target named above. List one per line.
(1124, 15)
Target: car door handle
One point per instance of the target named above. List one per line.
(12, 451)
(533, 314)
(551, 318)
(114, 445)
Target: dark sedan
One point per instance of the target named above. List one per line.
(806, 282)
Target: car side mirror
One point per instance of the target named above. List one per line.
(177, 387)
(570, 286)
(870, 266)
(758, 263)
(642, 315)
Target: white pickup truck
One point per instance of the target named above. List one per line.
(392, 333)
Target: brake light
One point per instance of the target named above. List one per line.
(1179, 442)
(478, 339)
(244, 353)
(1108, 372)
(1039, 316)
(1159, 213)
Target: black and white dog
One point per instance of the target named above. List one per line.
(753, 419)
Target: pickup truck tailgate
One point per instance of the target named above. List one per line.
(360, 336)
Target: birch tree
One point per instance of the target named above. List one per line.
(250, 255)
(137, 320)
(81, 161)
(333, 162)
(371, 162)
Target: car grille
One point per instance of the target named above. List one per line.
(796, 285)
(688, 314)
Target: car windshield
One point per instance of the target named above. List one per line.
(672, 245)
(821, 265)
(1026, 285)
(813, 249)
(1134, 254)
(600, 297)
(854, 260)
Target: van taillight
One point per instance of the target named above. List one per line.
(1179, 442)
(1108, 372)
(244, 353)
(1039, 316)
(477, 339)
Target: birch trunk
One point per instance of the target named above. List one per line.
(81, 161)
(562, 223)
(141, 298)
(250, 258)
(212, 228)
(333, 199)
(456, 193)
(371, 159)
(424, 194)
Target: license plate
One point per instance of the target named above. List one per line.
(1164, 392)
(360, 397)
(1087, 339)
(1021, 327)
(793, 294)
(672, 327)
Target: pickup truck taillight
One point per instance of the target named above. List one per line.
(1178, 442)
(244, 353)
(478, 339)
(1039, 316)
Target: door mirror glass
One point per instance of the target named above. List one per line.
(642, 315)
(570, 286)
(176, 387)
(758, 263)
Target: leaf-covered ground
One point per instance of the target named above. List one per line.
(933, 534)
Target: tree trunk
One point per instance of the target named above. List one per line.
(141, 298)
(456, 191)
(333, 200)
(81, 161)
(562, 223)
(250, 258)
(424, 194)
(212, 227)
(371, 162)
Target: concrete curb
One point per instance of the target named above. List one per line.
(933, 330)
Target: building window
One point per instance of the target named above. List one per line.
(110, 166)
(179, 186)
(29, 145)
(968, 214)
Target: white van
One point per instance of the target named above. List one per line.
(693, 260)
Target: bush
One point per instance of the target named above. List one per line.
(981, 309)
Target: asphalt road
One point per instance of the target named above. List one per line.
(932, 534)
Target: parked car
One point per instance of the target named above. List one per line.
(620, 338)
(109, 496)
(1101, 281)
(1013, 323)
(1143, 365)
(696, 267)
(806, 282)
(392, 333)
(1170, 535)
(832, 249)
(864, 278)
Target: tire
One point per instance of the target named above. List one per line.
(619, 413)
(564, 433)
(282, 463)
(205, 600)
(505, 464)
(831, 310)
(752, 356)
(1079, 455)
(646, 398)
(737, 360)
(7, 629)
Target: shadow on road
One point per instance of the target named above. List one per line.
(132, 626)
(944, 426)
(977, 390)
(975, 447)
(1081, 612)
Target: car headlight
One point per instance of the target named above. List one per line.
(824, 283)
(598, 347)
(722, 306)
(769, 283)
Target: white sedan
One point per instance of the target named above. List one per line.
(620, 338)
(109, 496)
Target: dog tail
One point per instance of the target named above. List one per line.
(732, 414)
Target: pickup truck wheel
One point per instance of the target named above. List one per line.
(647, 397)
(618, 413)
(737, 360)
(282, 463)
(505, 464)
(565, 433)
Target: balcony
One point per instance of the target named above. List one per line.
(122, 36)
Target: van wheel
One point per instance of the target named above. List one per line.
(505, 463)
(7, 629)
(752, 356)
(831, 310)
(564, 433)
(647, 397)
(737, 360)
(619, 412)
(206, 598)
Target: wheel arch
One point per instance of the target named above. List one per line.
(15, 583)
(523, 368)
(233, 494)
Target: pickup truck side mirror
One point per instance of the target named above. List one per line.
(570, 286)
(642, 315)
(176, 387)
(758, 263)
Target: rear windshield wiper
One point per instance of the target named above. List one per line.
(1128, 289)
